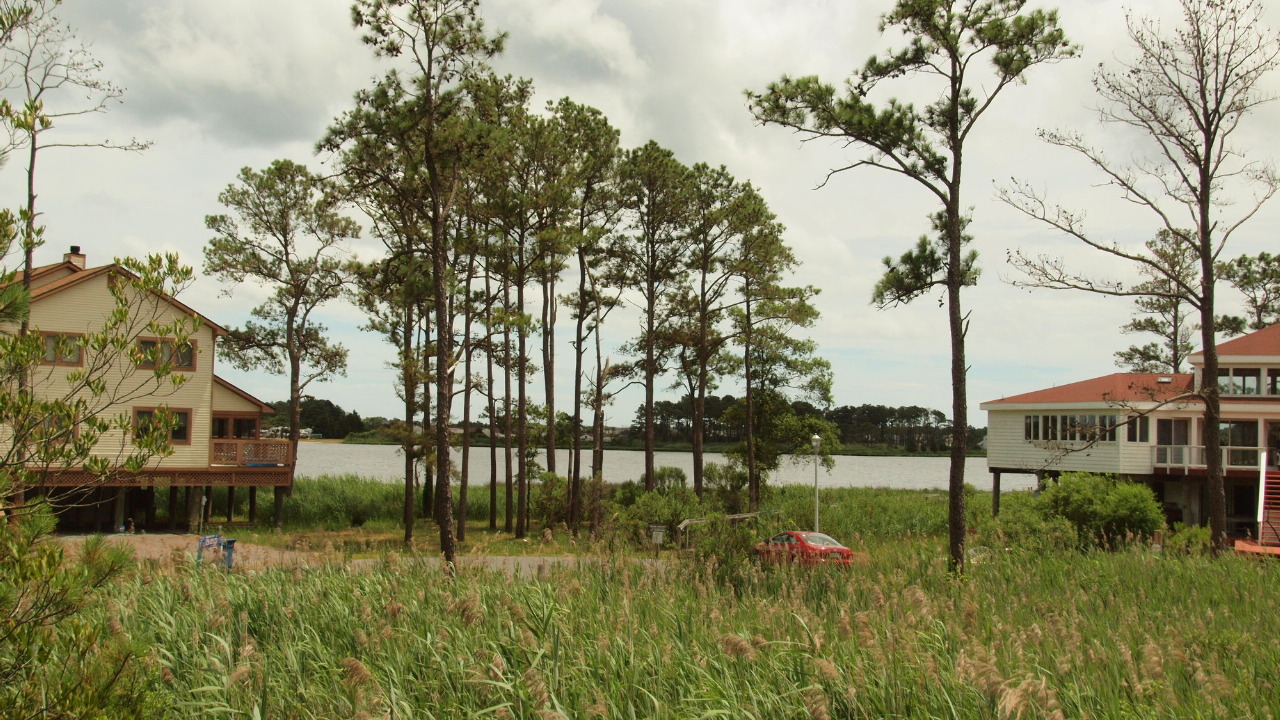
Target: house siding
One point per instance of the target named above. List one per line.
(1008, 449)
(83, 308)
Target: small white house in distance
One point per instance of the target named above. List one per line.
(1148, 428)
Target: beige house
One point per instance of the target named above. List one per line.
(1148, 427)
(216, 435)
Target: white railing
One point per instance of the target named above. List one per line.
(1192, 456)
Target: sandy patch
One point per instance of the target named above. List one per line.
(166, 548)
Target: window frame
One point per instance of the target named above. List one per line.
(60, 361)
(168, 352)
(177, 411)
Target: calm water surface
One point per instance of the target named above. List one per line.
(922, 473)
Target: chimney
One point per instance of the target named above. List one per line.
(75, 257)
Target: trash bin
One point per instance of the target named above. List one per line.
(228, 549)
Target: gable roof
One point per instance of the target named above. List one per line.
(263, 407)
(1260, 342)
(82, 275)
(1116, 388)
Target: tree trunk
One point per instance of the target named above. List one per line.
(444, 391)
(753, 474)
(410, 386)
(650, 379)
(549, 359)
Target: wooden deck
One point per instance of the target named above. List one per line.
(1252, 547)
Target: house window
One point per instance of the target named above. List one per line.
(1240, 381)
(1241, 439)
(59, 427)
(63, 349)
(1273, 381)
(1107, 428)
(178, 356)
(144, 419)
(1139, 430)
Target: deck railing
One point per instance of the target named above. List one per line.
(250, 453)
(1192, 456)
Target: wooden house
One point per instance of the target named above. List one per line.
(216, 440)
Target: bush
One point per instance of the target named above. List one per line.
(1023, 523)
(666, 508)
(547, 504)
(1188, 540)
(725, 486)
(1103, 510)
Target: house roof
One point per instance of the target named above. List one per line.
(262, 407)
(1260, 342)
(84, 275)
(1115, 388)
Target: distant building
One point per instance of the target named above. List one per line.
(1146, 427)
(217, 441)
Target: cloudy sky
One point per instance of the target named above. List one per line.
(220, 86)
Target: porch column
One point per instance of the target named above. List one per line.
(151, 507)
(118, 513)
(173, 507)
(253, 503)
(208, 503)
(231, 503)
(193, 508)
(995, 493)
(279, 506)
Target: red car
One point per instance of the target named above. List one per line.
(804, 547)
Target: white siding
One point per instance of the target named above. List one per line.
(1008, 448)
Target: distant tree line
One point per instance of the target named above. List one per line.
(322, 416)
(909, 428)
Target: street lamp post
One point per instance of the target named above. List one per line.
(817, 445)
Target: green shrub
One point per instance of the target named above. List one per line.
(1188, 540)
(1022, 523)
(547, 506)
(666, 508)
(726, 487)
(666, 478)
(1103, 510)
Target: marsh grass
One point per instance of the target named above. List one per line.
(1128, 634)
(1052, 633)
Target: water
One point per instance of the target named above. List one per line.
(919, 473)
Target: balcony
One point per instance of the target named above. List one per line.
(250, 453)
(1192, 457)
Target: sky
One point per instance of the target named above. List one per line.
(239, 83)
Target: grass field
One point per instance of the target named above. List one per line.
(1133, 633)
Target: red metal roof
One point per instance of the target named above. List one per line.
(1260, 342)
(1117, 387)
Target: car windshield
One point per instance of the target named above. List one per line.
(820, 539)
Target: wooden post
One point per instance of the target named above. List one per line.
(118, 510)
(208, 503)
(253, 503)
(231, 503)
(193, 508)
(278, 518)
(151, 507)
(995, 493)
(173, 507)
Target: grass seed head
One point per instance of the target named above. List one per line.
(355, 674)
(736, 646)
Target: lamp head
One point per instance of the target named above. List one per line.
(817, 442)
